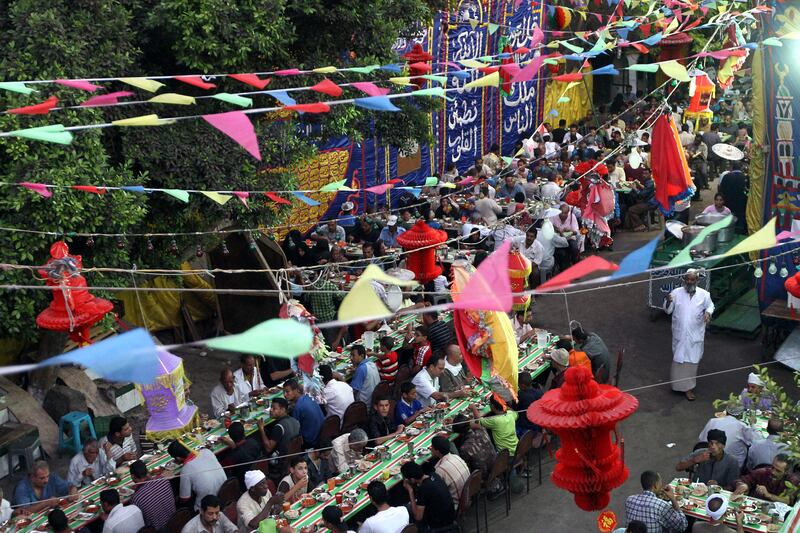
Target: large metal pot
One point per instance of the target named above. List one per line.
(723, 235)
(708, 245)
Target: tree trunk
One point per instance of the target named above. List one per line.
(51, 343)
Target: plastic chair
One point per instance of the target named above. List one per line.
(403, 375)
(524, 447)
(330, 428)
(179, 519)
(71, 423)
(231, 513)
(229, 491)
(354, 416)
(539, 443)
(25, 447)
(618, 371)
(469, 496)
(498, 472)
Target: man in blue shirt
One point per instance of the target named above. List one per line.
(306, 411)
(34, 491)
(509, 189)
(408, 408)
(390, 233)
(366, 376)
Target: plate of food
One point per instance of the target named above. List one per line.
(112, 480)
(418, 424)
(339, 480)
(323, 496)
(394, 470)
(752, 519)
(307, 500)
(748, 506)
(22, 522)
(125, 492)
(404, 437)
(685, 481)
(352, 493)
(292, 514)
(412, 431)
(92, 508)
(64, 503)
(699, 489)
(171, 465)
(84, 516)
(371, 457)
(212, 424)
(773, 528)
(345, 507)
(365, 466)
(441, 405)
(443, 433)
(249, 426)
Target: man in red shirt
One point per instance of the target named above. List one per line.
(387, 363)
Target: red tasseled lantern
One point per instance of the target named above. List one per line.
(583, 414)
(417, 55)
(424, 240)
(792, 286)
(74, 309)
(519, 268)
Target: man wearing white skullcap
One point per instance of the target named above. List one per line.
(256, 503)
(739, 435)
(716, 505)
(691, 309)
(753, 396)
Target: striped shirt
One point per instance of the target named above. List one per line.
(156, 501)
(422, 352)
(387, 366)
(454, 472)
(439, 335)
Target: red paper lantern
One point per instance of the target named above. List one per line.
(74, 309)
(584, 414)
(519, 268)
(423, 240)
(417, 55)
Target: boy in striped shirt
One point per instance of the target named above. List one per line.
(387, 362)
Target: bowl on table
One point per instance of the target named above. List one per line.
(292, 514)
(371, 457)
(22, 522)
(352, 493)
(112, 480)
(323, 496)
(307, 500)
(419, 424)
(91, 508)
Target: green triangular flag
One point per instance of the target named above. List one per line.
(508, 159)
(576, 49)
(54, 133)
(333, 186)
(493, 28)
(431, 181)
(362, 70)
(181, 195)
(563, 100)
(234, 99)
(433, 91)
(550, 61)
(486, 59)
(644, 67)
(17, 87)
(473, 23)
(434, 77)
(684, 257)
(772, 41)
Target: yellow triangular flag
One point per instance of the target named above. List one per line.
(448, 185)
(672, 25)
(324, 70)
(401, 80)
(143, 83)
(473, 23)
(362, 302)
(763, 238)
(172, 98)
(144, 120)
(221, 199)
(675, 70)
(472, 63)
(490, 80)
(373, 272)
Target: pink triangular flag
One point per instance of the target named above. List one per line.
(537, 38)
(370, 88)
(529, 71)
(105, 99)
(38, 188)
(510, 69)
(243, 196)
(786, 235)
(79, 84)
(379, 189)
(288, 72)
(488, 288)
(584, 268)
(238, 127)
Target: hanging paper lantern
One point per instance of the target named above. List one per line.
(519, 268)
(74, 309)
(417, 55)
(584, 414)
(561, 17)
(701, 90)
(165, 400)
(792, 286)
(422, 240)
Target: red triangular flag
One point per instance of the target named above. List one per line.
(319, 107)
(420, 66)
(197, 81)
(489, 70)
(38, 109)
(572, 76)
(589, 265)
(277, 199)
(90, 188)
(642, 48)
(645, 29)
(522, 50)
(251, 79)
(326, 86)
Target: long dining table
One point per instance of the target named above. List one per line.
(85, 507)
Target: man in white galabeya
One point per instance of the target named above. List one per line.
(691, 309)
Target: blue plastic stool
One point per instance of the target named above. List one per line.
(73, 421)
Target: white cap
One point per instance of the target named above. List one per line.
(754, 379)
(560, 356)
(716, 515)
(392, 220)
(253, 478)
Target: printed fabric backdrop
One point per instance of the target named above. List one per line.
(464, 130)
(781, 73)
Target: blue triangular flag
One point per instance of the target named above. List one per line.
(623, 32)
(637, 261)
(393, 67)
(131, 357)
(607, 70)
(653, 39)
(376, 103)
(134, 188)
(283, 97)
(460, 74)
(305, 199)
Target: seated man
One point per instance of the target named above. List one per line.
(716, 505)
(123, 445)
(248, 378)
(769, 483)
(305, 410)
(526, 396)
(38, 489)
(712, 461)
(153, 496)
(657, 514)
(211, 519)
(91, 464)
(348, 448)
(501, 421)
(739, 435)
(241, 453)
(474, 446)
(201, 474)
(455, 374)
(320, 464)
(366, 375)
(409, 407)
(386, 518)
(256, 503)
(763, 451)
(338, 395)
(753, 396)
(119, 518)
(225, 396)
(450, 467)
(330, 231)
(427, 381)
(381, 426)
(282, 431)
(597, 352)
(431, 504)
